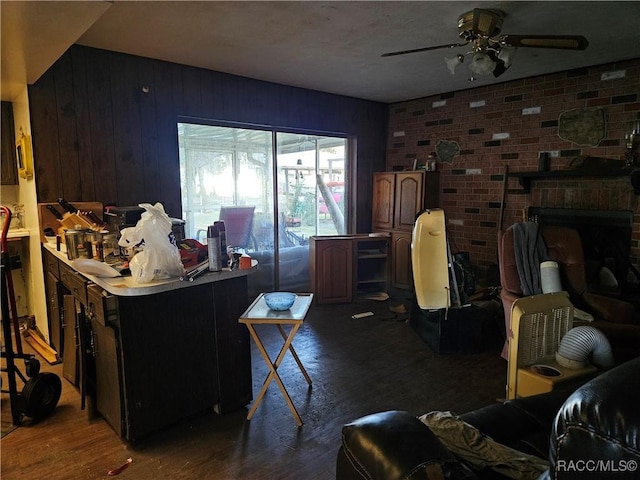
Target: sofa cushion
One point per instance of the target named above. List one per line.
(394, 445)
(524, 423)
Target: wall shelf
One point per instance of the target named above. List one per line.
(525, 178)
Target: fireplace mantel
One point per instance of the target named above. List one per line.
(525, 178)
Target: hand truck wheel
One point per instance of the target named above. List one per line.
(31, 366)
(41, 394)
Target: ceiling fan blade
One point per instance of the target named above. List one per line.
(424, 49)
(566, 42)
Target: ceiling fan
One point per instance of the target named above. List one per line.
(491, 52)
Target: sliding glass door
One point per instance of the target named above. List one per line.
(270, 207)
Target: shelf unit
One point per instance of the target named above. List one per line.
(345, 266)
(525, 178)
(372, 270)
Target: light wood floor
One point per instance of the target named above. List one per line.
(357, 366)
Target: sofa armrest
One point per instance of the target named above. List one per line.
(609, 309)
(598, 427)
(507, 298)
(394, 445)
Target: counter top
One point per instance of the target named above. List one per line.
(14, 233)
(125, 286)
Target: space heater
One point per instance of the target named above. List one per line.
(538, 323)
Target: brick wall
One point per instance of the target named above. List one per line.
(472, 186)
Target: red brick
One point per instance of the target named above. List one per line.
(555, 93)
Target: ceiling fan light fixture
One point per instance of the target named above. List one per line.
(486, 22)
(490, 52)
(506, 55)
(500, 68)
(453, 62)
(480, 22)
(482, 64)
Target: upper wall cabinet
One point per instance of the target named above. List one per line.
(7, 131)
(399, 196)
(384, 189)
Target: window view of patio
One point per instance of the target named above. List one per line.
(270, 208)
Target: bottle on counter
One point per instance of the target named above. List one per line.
(213, 248)
(97, 248)
(223, 242)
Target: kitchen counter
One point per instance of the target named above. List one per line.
(151, 355)
(125, 286)
(17, 233)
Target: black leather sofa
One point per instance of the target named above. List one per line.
(589, 432)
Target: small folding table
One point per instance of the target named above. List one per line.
(259, 313)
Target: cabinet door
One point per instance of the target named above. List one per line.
(54, 311)
(383, 201)
(71, 339)
(408, 199)
(401, 273)
(107, 381)
(169, 357)
(104, 348)
(232, 344)
(333, 270)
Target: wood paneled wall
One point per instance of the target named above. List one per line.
(98, 136)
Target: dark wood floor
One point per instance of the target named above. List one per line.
(357, 367)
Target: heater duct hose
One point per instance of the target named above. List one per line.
(581, 343)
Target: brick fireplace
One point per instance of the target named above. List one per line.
(606, 242)
(494, 130)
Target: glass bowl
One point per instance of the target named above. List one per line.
(279, 301)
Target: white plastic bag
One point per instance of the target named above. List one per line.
(160, 257)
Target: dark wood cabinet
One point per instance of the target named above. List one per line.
(8, 163)
(54, 311)
(384, 190)
(62, 322)
(398, 197)
(410, 197)
(330, 270)
(102, 314)
(70, 329)
(233, 345)
(401, 272)
(149, 361)
(345, 266)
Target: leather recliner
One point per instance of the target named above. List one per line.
(590, 432)
(612, 316)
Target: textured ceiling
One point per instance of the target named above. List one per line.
(336, 46)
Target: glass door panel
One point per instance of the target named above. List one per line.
(270, 211)
(311, 181)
